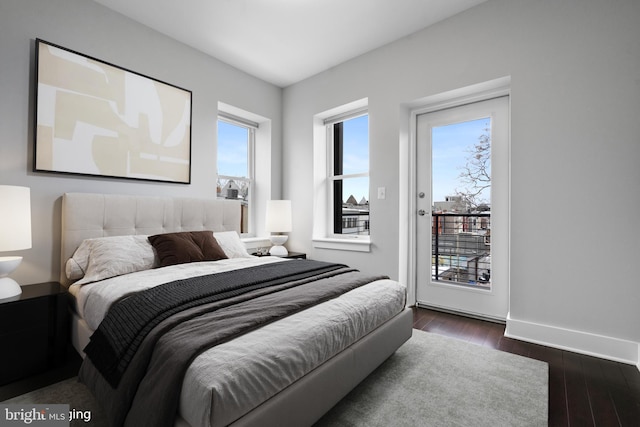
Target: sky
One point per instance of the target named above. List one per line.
(449, 155)
(232, 149)
(356, 157)
(448, 158)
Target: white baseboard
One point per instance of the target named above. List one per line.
(615, 349)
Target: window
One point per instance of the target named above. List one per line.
(236, 140)
(349, 174)
(341, 178)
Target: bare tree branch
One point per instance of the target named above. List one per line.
(476, 173)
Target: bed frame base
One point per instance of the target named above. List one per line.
(308, 399)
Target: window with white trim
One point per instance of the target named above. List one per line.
(236, 148)
(341, 178)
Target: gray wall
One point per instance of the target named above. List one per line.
(575, 148)
(89, 28)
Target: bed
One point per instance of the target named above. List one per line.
(289, 371)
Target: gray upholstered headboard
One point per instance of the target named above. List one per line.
(88, 215)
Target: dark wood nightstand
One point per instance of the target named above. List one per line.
(296, 255)
(34, 331)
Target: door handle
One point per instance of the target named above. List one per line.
(422, 212)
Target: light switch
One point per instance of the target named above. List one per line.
(382, 193)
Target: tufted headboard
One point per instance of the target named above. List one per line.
(89, 215)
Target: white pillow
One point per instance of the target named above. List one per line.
(77, 264)
(106, 257)
(231, 244)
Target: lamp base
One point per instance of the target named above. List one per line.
(278, 251)
(277, 240)
(9, 288)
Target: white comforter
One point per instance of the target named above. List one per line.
(93, 300)
(230, 379)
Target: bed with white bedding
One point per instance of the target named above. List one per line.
(286, 372)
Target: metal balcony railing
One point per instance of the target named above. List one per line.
(461, 248)
(355, 223)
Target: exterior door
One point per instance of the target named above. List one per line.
(463, 208)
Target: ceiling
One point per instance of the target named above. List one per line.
(286, 41)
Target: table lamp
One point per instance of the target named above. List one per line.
(15, 234)
(278, 220)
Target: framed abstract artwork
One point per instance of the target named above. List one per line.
(97, 119)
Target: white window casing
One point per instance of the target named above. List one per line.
(323, 235)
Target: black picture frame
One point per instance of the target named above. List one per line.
(93, 118)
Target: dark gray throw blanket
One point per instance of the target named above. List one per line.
(148, 389)
(127, 323)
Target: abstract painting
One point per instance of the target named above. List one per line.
(94, 118)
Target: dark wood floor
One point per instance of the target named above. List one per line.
(583, 390)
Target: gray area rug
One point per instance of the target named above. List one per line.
(434, 380)
(430, 381)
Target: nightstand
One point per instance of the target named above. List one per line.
(296, 255)
(34, 331)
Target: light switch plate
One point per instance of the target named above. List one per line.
(382, 193)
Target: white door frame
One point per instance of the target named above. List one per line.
(408, 162)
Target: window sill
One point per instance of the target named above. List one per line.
(357, 245)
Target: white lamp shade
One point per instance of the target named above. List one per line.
(278, 219)
(15, 218)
